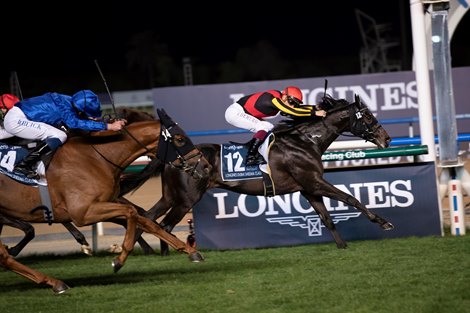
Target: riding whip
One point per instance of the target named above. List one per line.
(107, 89)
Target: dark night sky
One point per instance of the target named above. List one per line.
(47, 48)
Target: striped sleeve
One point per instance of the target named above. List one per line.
(300, 111)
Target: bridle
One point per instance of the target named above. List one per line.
(178, 157)
(360, 126)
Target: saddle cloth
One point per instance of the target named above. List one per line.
(9, 156)
(233, 163)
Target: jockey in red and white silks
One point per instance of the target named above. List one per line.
(250, 113)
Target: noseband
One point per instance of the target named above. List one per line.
(185, 166)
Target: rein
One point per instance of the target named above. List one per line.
(356, 121)
(133, 138)
(106, 159)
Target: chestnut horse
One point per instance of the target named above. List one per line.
(131, 116)
(295, 163)
(83, 179)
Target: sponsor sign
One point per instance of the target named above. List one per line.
(389, 95)
(405, 195)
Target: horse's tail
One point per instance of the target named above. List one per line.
(133, 181)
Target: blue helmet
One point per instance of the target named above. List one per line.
(86, 103)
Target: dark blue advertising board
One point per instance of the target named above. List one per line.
(405, 195)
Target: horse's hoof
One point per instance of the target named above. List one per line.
(388, 226)
(60, 287)
(196, 257)
(342, 245)
(87, 250)
(116, 265)
(115, 248)
(164, 252)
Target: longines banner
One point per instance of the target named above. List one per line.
(388, 95)
(405, 195)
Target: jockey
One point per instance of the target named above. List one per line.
(44, 117)
(250, 111)
(7, 101)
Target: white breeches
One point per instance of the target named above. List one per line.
(4, 134)
(236, 116)
(17, 124)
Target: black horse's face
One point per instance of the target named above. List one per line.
(177, 149)
(367, 127)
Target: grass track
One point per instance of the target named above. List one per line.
(430, 274)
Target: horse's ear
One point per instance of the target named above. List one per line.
(165, 119)
(357, 100)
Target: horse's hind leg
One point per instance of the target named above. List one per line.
(319, 206)
(79, 237)
(8, 262)
(324, 188)
(27, 228)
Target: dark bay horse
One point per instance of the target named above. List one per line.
(295, 162)
(83, 179)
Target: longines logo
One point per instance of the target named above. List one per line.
(294, 211)
(378, 97)
(311, 223)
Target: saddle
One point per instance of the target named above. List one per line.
(12, 151)
(233, 166)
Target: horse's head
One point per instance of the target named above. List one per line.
(364, 124)
(176, 149)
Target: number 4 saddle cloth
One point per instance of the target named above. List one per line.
(12, 154)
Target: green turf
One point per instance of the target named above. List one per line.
(430, 274)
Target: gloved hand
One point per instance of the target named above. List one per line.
(320, 113)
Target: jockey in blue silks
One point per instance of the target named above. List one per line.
(44, 118)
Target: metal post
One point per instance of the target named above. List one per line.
(456, 207)
(95, 237)
(443, 94)
(426, 126)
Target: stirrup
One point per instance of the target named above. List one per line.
(255, 160)
(31, 174)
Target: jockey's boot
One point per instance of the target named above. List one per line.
(254, 157)
(25, 166)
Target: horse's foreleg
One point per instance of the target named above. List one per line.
(103, 211)
(324, 188)
(146, 248)
(173, 217)
(150, 227)
(8, 262)
(79, 237)
(319, 206)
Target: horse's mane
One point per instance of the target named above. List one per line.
(327, 103)
(133, 115)
(104, 136)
